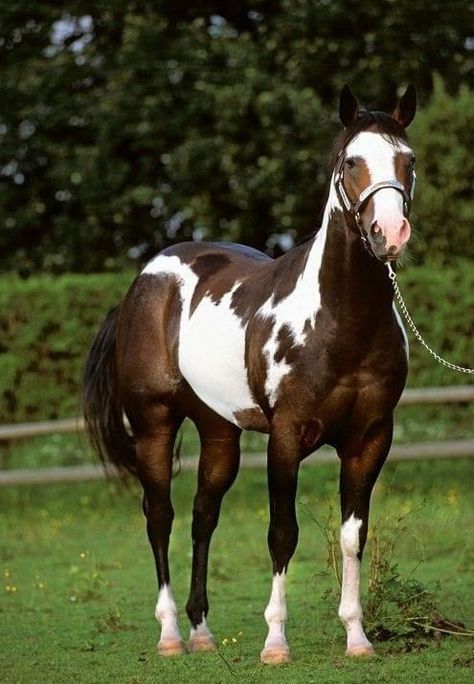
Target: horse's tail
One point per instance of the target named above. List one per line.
(103, 411)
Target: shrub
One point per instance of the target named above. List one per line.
(441, 303)
(443, 137)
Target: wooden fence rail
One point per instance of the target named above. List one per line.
(422, 396)
(425, 396)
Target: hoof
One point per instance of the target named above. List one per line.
(360, 651)
(275, 656)
(171, 647)
(201, 643)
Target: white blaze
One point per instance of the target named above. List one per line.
(379, 156)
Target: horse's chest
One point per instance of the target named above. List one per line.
(339, 386)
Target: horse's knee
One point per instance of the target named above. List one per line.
(282, 542)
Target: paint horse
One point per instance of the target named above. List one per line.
(307, 348)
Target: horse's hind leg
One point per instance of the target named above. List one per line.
(218, 466)
(154, 447)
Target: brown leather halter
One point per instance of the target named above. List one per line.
(355, 208)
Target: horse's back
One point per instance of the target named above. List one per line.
(202, 252)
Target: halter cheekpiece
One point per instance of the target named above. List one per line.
(355, 208)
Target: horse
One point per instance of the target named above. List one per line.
(307, 348)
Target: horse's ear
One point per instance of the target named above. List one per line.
(406, 108)
(348, 107)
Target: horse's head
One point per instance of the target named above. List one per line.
(374, 173)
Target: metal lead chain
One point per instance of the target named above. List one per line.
(393, 277)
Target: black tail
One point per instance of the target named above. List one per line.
(103, 411)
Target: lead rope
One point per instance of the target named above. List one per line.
(393, 277)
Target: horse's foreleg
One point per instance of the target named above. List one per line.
(283, 465)
(154, 464)
(218, 466)
(357, 478)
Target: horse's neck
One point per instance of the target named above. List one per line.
(352, 284)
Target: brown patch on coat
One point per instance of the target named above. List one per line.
(220, 266)
(207, 265)
(357, 179)
(289, 268)
(276, 279)
(252, 419)
(403, 170)
(257, 334)
(214, 278)
(287, 349)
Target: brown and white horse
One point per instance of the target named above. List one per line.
(307, 348)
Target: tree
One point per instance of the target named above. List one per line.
(125, 126)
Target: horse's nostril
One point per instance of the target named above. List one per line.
(376, 233)
(405, 230)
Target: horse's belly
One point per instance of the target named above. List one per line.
(211, 357)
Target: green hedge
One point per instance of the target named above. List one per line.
(441, 303)
(47, 325)
(442, 136)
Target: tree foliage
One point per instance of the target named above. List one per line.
(443, 137)
(125, 126)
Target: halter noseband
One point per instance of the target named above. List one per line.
(355, 208)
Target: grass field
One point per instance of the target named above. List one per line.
(78, 585)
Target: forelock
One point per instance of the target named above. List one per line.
(379, 122)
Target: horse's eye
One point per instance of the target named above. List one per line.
(350, 163)
(412, 162)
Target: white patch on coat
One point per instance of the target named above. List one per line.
(166, 614)
(172, 265)
(350, 610)
(379, 156)
(301, 305)
(211, 350)
(404, 332)
(275, 613)
(212, 356)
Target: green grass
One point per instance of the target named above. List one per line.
(78, 584)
